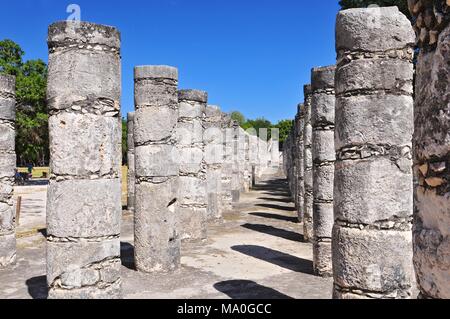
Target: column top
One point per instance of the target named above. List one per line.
(322, 77)
(307, 90)
(68, 33)
(213, 110)
(193, 95)
(373, 30)
(300, 108)
(130, 116)
(8, 83)
(155, 72)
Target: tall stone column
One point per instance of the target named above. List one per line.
(308, 233)
(213, 140)
(192, 188)
(237, 178)
(299, 142)
(7, 170)
(226, 199)
(131, 177)
(373, 201)
(157, 242)
(431, 144)
(324, 156)
(84, 196)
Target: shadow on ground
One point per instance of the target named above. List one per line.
(273, 231)
(276, 257)
(37, 287)
(276, 216)
(127, 255)
(245, 289)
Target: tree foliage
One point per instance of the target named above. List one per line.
(401, 4)
(238, 117)
(32, 141)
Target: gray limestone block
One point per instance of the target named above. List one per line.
(7, 218)
(6, 190)
(374, 190)
(151, 93)
(7, 109)
(130, 123)
(7, 84)
(361, 29)
(70, 258)
(322, 259)
(191, 109)
(7, 138)
(7, 102)
(192, 223)
(189, 133)
(94, 79)
(191, 160)
(323, 146)
(157, 242)
(191, 191)
(156, 72)
(323, 183)
(193, 95)
(322, 78)
(323, 220)
(154, 124)
(213, 210)
(7, 250)
(84, 144)
(84, 208)
(157, 161)
(374, 119)
(214, 154)
(213, 112)
(113, 291)
(375, 74)
(7, 165)
(373, 260)
(307, 135)
(323, 110)
(65, 33)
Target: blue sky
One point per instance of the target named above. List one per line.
(250, 55)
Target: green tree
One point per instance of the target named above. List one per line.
(258, 124)
(32, 141)
(238, 117)
(401, 4)
(284, 127)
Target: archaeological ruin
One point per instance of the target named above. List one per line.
(352, 203)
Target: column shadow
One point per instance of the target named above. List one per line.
(246, 289)
(277, 217)
(277, 207)
(127, 255)
(277, 232)
(37, 287)
(278, 258)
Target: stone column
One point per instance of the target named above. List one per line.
(324, 156)
(307, 168)
(299, 141)
(7, 170)
(431, 144)
(157, 242)
(373, 201)
(213, 140)
(192, 188)
(131, 177)
(226, 200)
(84, 206)
(237, 178)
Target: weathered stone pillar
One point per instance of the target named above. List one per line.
(213, 140)
(131, 177)
(7, 170)
(373, 201)
(307, 168)
(299, 142)
(157, 242)
(192, 188)
(237, 178)
(324, 156)
(226, 199)
(84, 197)
(432, 149)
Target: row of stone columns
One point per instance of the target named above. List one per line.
(361, 115)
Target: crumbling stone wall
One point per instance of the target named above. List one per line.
(307, 168)
(84, 196)
(213, 140)
(7, 170)
(372, 254)
(322, 120)
(432, 148)
(157, 242)
(192, 215)
(131, 175)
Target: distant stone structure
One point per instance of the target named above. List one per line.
(373, 202)
(307, 168)
(7, 170)
(299, 149)
(192, 198)
(226, 198)
(131, 176)
(431, 144)
(157, 241)
(84, 196)
(323, 153)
